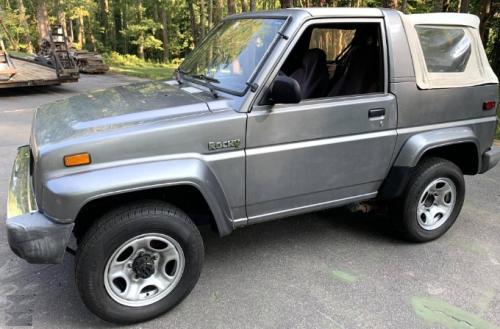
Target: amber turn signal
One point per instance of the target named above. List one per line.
(77, 159)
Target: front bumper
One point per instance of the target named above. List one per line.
(32, 235)
(490, 158)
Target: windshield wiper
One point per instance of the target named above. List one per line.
(208, 81)
(204, 77)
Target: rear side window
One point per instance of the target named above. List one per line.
(445, 49)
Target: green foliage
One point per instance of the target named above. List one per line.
(143, 33)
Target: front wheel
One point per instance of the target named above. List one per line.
(138, 262)
(432, 200)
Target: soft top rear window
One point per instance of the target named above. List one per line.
(445, 49)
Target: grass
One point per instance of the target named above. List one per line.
(134, 66)
(148, 71)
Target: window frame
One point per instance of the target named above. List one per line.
(328, 99)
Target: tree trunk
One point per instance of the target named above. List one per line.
(390, 4)
(464, 6)
(42, 19)
(104, 15)
(24, 24)
(125, 26)
(495, 53)
(140, 43)
(210, 13)
(164, 23)
(71, 32)
(446, 5)
(81, 31)
(202, 19)
(231, 7)
(219, 6)
(192, 21)
(437, 6)
(486, 14)
(253, 5)
(244, 5)
(61, 15)
(116, 36)
(91, 34)
(286, 3)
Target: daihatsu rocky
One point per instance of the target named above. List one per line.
(274, 114)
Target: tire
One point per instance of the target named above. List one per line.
(433, 175)
(127, 242)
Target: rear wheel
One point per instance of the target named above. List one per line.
(138, 262)
(432, 201)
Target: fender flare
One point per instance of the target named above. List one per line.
(64, 197)
(414, 149)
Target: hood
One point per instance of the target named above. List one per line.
(113, 109)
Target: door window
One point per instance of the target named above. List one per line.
(339, 59)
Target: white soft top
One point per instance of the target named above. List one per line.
(477, 70)
(342, 12)
(444, 19)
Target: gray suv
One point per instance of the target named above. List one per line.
(274, 114)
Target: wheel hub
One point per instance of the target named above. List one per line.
(144, 269)
(436, 203)
(429, 201)
(144, 266)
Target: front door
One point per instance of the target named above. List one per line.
(317, 153)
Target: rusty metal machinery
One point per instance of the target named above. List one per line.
(54, 52)
(88, 62)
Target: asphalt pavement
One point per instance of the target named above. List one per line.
(329, 269)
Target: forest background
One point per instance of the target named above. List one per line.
(149, 38)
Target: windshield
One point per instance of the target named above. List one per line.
(230, 54)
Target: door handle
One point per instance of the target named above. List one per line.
(375, 113)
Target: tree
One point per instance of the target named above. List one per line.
(164, 29)
(404, 3)
(231, 7)
(61, 15)
(437, 5)
(485, 15)
(464, 6)
(192, 21)
(210, 13)
(218, 11)
(202, 19)
(23, 22)
(42, 18)
(286, 3)
(244, 5)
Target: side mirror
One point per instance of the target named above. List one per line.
(285, 90)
